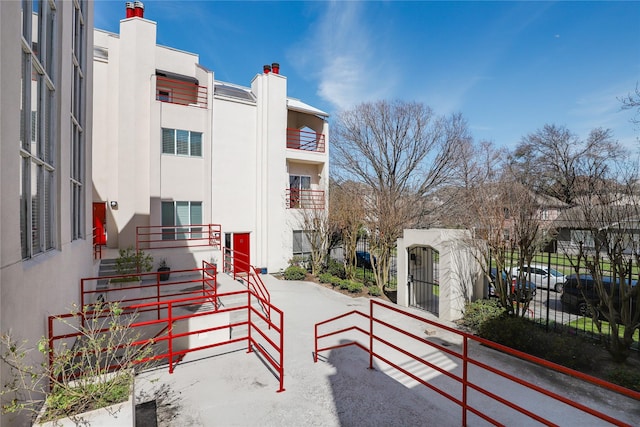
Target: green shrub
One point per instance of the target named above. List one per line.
(344, 284)
(374, 291)
(335, 281)
(336, 268)
(625, 377)
(521, 334)
(295, 273)
(129, 261)
(355, 287)
(325, 278)
(479, 311)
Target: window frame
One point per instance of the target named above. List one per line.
(193, 143)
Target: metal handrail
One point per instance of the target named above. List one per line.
(178, 236)
(247, 274)
(466, 361)
(259, 338)
(298, 139)
(180, 92)
(305, 199)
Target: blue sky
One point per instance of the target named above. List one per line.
(508, 67)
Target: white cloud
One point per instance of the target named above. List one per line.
(344, 57)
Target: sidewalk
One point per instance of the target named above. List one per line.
(233, 388)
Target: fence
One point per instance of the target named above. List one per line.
(557, 308)
(173, 319)
(364, 268)
(473, 382)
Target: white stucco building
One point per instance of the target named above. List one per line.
(45, 163)
(174, 146)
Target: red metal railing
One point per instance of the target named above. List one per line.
(180, 92)
(305, 199)
(263, 335)
(97, 247)
(305, 140)
(238, 265)
(375, 340)
(178, 236)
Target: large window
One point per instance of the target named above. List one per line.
(301, 243)
(297, 186)
(181, 142)
(179, 216)
(78, 158)
(38, 141)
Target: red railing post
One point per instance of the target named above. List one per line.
(281, 351)
(158, 296)
(465, 364)
(371, 334)
(170, 334)
(51, 350)
(249, 349)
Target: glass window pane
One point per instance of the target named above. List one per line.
(196, 144)
(182, 142)
(168, 218)
(305, 182)
(196, 218)
(182, 218)
(168, 141)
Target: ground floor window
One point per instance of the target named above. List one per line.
(301, 243)
(181, 217)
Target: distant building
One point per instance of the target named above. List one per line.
(173, 146)
(45, 146)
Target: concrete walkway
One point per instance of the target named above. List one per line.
(230, 387)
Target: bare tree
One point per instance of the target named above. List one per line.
(610, 220)
(631, 102)
(561, 161)
(346, 215)
(401, 152)
(315, 226)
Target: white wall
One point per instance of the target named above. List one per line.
(460, 275)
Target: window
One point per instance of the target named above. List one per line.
(301, 243)
(164, 95)
(38, 142)
(78, 155)
(179, 216)
(181, 142)
(297, 186)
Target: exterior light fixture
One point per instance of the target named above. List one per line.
(113, 204)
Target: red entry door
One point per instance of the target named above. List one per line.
(100, 223)
(241, 258)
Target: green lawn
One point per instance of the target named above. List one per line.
(564, 263)
(586, 324)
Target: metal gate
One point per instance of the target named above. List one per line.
(424, 278)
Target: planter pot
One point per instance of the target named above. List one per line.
(119, 414)
(164, 273)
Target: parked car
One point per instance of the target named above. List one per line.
(529, 287)
(542, 276)
(580, 293)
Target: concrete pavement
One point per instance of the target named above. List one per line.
(229, 387)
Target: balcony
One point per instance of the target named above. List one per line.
(181, 92)
(304, 140)
(305, 199)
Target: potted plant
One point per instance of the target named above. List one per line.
(164, 270)
(130, 263)
(85, 379)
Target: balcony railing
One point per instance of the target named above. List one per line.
(305, 199)
(180, 92)
(305, 140)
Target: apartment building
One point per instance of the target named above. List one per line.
(45, 162)
(175, 147)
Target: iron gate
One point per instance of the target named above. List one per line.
(424, 279)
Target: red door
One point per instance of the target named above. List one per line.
(241, 259)
(99, 223)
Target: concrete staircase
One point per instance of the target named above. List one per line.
(107, 268)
